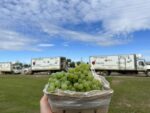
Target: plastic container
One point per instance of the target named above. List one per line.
(96, 101)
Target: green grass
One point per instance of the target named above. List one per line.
(131, 95)
(21, 94)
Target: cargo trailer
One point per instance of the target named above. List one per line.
(131, 63)
(48, 65)
(9, 68)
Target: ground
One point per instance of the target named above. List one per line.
(21, 94)
(131, 95)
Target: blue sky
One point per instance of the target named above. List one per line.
(73, 28)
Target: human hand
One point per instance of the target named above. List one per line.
(44, 105)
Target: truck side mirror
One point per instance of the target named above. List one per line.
(33, 63)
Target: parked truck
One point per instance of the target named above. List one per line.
(48, 65)
(132, 63)
(9, 68)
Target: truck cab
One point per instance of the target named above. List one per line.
(143, 67)
(17, 69)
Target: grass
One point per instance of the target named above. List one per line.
(21, 94)
(131, 95)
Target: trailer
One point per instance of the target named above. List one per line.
(48, 65)
(9, 68)
(5, 67)
(131, 63)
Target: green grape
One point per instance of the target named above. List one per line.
(70, 76)
(94, 81)
(90, 78)
(94, 87)
(70, 87)
(82, 76)
(63, 74)
(85, 84)
(52, 83)
(73, 89)
(50, 79)
(78, 79)
(80, 87)
(51, 87)
(59, 76)
(85, 73)
(76, 85)
(67, 82)
(87, 88)
(90, 74)
(64, 78)
(57, 84)
(64, 86)
(77, 69)
(71, 71)
(75, 77)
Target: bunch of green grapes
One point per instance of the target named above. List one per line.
(79, 79)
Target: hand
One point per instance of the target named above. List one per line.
(44, 105)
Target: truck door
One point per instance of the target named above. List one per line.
(122, 63)
(140, 65)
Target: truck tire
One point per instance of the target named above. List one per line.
(49, 73)
(98, 72)
(105, 73)
(148, 73)
(32, 72)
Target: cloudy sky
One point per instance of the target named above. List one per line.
(73, 28)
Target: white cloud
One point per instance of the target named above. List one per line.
(127, 16)
(13, 41)
(46, 45)
(119, 18)
(102, 39)
(65, 44)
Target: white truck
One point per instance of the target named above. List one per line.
(9, 68)
(131, 63)
(48, 65)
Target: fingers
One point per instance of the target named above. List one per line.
(44, 99)
(44, 105)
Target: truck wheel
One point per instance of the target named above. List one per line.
(148, 73)
(105, 73)
(32, 73)
(98, 72)
(49, 72)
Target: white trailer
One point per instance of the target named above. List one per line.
(6, 67)
(9, 67)
(48, 65)
(119, 63)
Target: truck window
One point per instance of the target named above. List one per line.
(141, 63)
